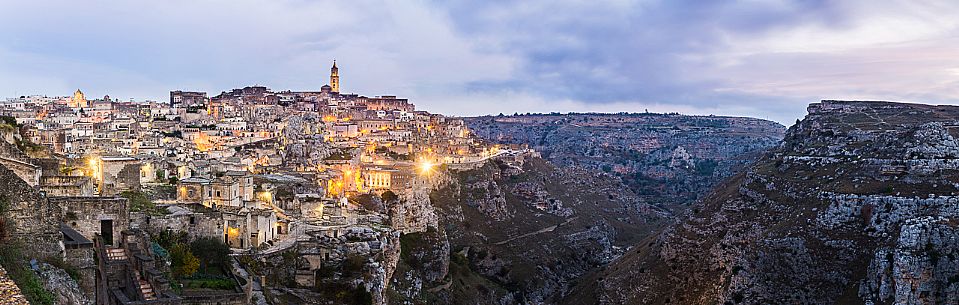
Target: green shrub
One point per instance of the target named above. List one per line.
(139, 202)
(212, 252)
(8, 120)
(211, 283)
(167, 239)
(16, 265)
(183, 262)
(59, 263)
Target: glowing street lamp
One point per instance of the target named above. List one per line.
(94, 166)
(426, 166)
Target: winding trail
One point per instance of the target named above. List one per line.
(543, 230)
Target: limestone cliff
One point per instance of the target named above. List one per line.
(521, 230)
(518, 231)
(669, 160)
(857, 206)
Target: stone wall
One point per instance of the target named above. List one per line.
(35, 223)
(196, 225)
(26, 171)
(82, 260)
(85, 214)
(220, 299)
(119, 176)
(67, 185)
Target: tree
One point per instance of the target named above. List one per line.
(8, 120)
(139, 202)
(211, 252)
(184, 262)
(389, 196)
(361, 296)
(168, 238)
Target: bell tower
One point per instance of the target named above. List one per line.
(335, 78)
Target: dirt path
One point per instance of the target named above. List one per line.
(543, 230)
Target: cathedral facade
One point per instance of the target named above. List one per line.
(78, 100)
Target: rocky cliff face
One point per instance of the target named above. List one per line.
(414, 212)
(668, 160)
(521, 229)
(518, 231)
(354, 267)
(60, 284)
(857, 206)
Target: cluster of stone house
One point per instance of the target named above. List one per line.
(255, 168)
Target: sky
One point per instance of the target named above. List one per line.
(765, 59)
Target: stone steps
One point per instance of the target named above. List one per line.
(116, 254)
(147, 290)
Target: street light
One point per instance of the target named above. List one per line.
(426, 166)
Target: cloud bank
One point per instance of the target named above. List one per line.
(754, 58)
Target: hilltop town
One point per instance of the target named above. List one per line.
(480, 153)
(256, 196)
(120, 192)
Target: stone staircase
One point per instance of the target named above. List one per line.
(116, 254)
(130, 274)
(147, 290)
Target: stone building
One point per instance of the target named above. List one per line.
(371, 125)
(61, 185)
(195, 220)
(248, 227)
(95, 216)
(193, 190)
(233, 188)
(24, 169)
(179, 99)
(377, 178)
(335, 78)
(309, 205)
(79, 252)
(344, 130)
(78, 100)
(116, 174)
(34, 221)
(388, 103)
(225, 191)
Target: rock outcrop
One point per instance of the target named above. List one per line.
(518, 231)
(60, 284)
(521, 230)
(669, 160)
(857, 206)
